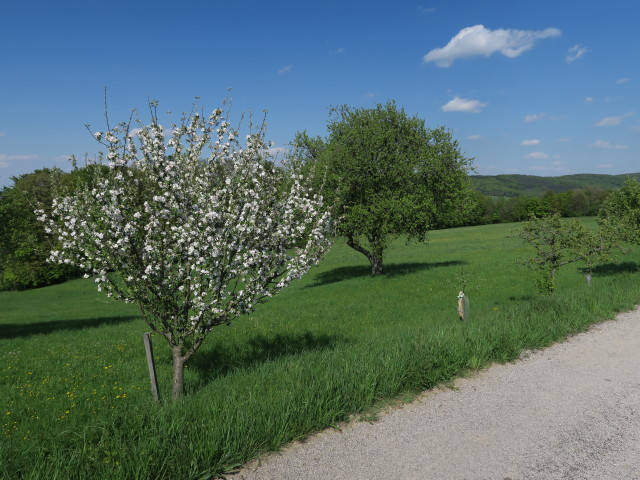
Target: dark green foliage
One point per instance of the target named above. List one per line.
(24, 247)
(572, 203)
(387, 175)
(620, 214)
(534, 186)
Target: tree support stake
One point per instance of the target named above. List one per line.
(155, 391)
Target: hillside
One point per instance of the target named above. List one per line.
(531, 185)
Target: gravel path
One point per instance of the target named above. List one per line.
(571, 411)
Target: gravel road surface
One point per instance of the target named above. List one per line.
(571, 411)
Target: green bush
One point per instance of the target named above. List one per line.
(24, 246)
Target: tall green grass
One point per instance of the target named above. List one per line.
(75, 390)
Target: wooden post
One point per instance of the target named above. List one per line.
(461, 311)
(155, 391)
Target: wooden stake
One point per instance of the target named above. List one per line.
(461, 305)
(155, 391)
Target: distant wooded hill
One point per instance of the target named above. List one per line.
(531, 185)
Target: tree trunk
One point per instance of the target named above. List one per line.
(376, 265)
(374, 256)
(178, 372)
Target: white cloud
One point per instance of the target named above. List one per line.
(534, 117)
(604, 165)
(538, 155)
(463, 105)
(574, 53)
(609, 122)
(526, 143)
(424, 10)
(284, 70)
(339, 50)
(4, 164)
(564, 140)
(9, 158)
(277, 151)
(478, 40)
(474, 137)
(588, 100)
(620, 81)
(607, 145)
(613, 121)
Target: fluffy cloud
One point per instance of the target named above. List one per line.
(463, 105)
(537, 155)
(620, 81)
(284, 70)
(574, 53)
(534, 117)
(474, 137)
(478, 40)
(526, 143)
(613, 121)
(607, 145)
(588, 100)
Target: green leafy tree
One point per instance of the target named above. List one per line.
(620, 212)
(24, 246)
(387, 175)
(559, 242)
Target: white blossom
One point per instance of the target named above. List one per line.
(207, 230)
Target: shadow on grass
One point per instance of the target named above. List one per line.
(257, 350)
(14, 330)
(390, 270)
(609, 269)
(522, 298)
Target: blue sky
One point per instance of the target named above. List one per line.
(531, 87)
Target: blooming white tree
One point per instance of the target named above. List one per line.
(190, 224)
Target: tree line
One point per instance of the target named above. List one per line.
(573, 203)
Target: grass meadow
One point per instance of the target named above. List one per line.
(336, 345)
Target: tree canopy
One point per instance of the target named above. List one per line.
(558, 242)
(620, 213)
(24, 246)
(190, 224)
(388, 175)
